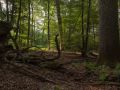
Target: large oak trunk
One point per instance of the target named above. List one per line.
(109, 32)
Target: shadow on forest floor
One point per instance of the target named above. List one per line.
(66, 73)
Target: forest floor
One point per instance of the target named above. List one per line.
(66, 73)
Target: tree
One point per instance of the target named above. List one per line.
(7, 11)
(86, 38)
(18, 20)
(12, 12)
(5, 28)
(32, 31)
(57, 3)
(49, 24)
(109, 33)
(82, 27)
(29, 16)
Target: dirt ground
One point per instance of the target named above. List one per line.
(66, 73)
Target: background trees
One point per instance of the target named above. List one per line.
(39, 25)
(36, 22)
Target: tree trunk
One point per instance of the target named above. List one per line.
(29, 12)
(70, 25)
(18, 21)
(7, 10)
(82, 25)
(12, 12)
(5, 29)
(88, 28)
(0, 10)
(94, 36)
(109, 33)
(49, 24)
(32, 31)
(57, 2)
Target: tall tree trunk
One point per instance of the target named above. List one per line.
(109, 33)
(34, 37)
(18, 21)
(49, 24)
(28, 37)
(70, 25)
(43, 33)
(82, 25)
(57, 4)
(88, 28)
(32, 30)
(0, 10)
(94, 36)
(7, 10)
(12, 12)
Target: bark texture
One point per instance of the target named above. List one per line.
(109, 33)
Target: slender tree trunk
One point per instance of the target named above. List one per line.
(88, 28)
(0, 10)
(49, 24)
(12, 12)
(70, 25)
(82, 25)
(32, 32)
(94, 36)
(57, 3)
(18, 21)
(7, 10)
(34, 38)
(28, 37)
(43, 33)
(109, 32)
(20, 31)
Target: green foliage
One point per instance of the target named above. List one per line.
(71, 22)
(104, 72)
(117, 70)
(90, 66)
(57, 87)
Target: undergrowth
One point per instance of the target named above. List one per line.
(104, 72)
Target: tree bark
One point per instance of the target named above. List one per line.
(32, 31)
(88, 28)
(82, 27)
(49, 24)
(7, 10)
(57, 4)
(18, 21)
(12, 12)
(109, 32)
(5, 29)
(29, 12)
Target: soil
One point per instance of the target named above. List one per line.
(66, 73)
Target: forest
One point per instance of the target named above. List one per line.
(59, 45)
